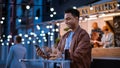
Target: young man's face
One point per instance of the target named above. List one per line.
(70, 20)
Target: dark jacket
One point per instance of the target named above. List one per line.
(80, 48)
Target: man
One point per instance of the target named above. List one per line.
(77, 41)
(16, 52)
(97, 29)
(96, 35)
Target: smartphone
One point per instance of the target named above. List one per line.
(42, 54)
(37, 46)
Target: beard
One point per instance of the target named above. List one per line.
(71, 26)
(68, 26)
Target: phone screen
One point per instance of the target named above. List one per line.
(42, 54)
(37, 46)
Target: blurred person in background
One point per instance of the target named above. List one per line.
(17, 52)
(96, 35)
(107, 38)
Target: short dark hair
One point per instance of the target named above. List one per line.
(18, 39)
(74, 12)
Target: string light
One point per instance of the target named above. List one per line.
(20, 34)
(51, 9)
(48, 33)
(81, 18)
(7, 44)
(3, 35)
(19, 20)
(74, 7)
(23, 39)
(41, 34)
(53, 30)
(1, 22)
(34, 41)
(8, 39)
(51, 39)
(36, 18)
(23, 43)
(30, 38)
(27, 7)
(42, 31)
(45, 40)
(9, 36)
(54, 13)
(31, 33)
(44, 37)
(38, 27)
(51, 26)
(1, 40)
(37, 38)
(2, 44)
(118, 5)
(28, 42)
(35, 35)
(86, 19)
(39, 41)
(91, 8)
(3, 18)
(12, 43)
(47, 26)
(57, 30)
(58, 24)
(26, 35)
(51, 15)
(52, 33)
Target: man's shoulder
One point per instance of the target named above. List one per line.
(12, 47)
(83, 31)
(66, 33)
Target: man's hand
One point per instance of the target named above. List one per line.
(59, 54)
(41, 53)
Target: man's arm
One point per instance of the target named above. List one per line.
(9, 58)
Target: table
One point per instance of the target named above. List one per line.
(64, 63)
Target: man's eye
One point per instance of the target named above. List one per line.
(68, 18)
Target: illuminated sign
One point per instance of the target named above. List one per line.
(109, 6)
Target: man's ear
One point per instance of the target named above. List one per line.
(77, 18)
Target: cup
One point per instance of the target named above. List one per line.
(67, 54)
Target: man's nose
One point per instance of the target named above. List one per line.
(66, 22)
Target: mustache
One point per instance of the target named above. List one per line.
(66, 29)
